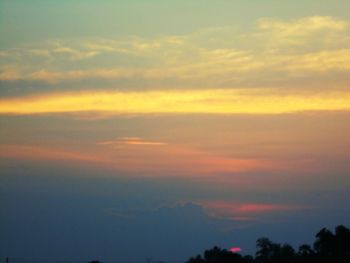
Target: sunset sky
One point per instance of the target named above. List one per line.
(154, 129)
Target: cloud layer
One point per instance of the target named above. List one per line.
(310, 53)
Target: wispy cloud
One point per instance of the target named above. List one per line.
(166, 161)
(307, 52)
(299, 31)
(130, 141)
(34, 152)
(246, 211)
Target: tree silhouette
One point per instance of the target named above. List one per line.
(306, 254)
(218, 255)
(273, 252)
(197, 259)
(265, 250)
(328, 248)
(342, 242)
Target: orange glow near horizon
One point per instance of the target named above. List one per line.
(216, 101)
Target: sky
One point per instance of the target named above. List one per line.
(146, 131)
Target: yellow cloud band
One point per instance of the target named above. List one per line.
(218, 101)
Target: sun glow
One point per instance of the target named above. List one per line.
(235, 249)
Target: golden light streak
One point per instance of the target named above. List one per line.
(218, 101)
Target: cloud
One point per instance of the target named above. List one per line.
(303, 54)
(143, 160)
(303, 26)
(76, 54)
(43, 153)
(131, 141)
(9, 74)
(250, 101)
(245, 211)
(324, 61)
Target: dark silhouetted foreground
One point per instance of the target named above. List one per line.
(328, 248)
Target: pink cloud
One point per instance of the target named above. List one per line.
(262, 208)
(244, 211)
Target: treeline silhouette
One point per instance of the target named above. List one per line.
(327, 248)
